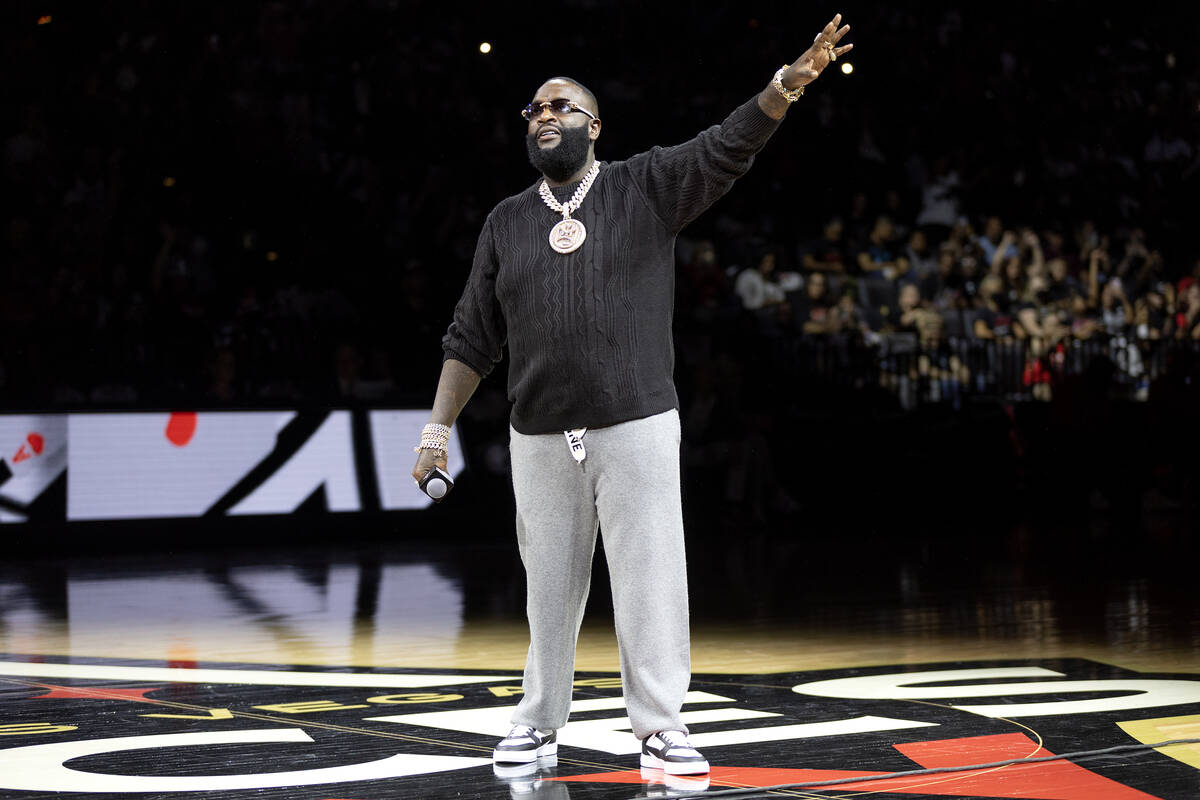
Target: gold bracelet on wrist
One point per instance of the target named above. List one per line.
(791, 95)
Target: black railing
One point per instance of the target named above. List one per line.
(954, 369)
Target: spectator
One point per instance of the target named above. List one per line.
(1116, 313)
(994, 243)
(880, 255)
(758, 287)
(1088, 239)
(1015, 277)
(1054, 245)
(922, 263)
(1151, 317)
(1062, 286)
(945, 287)
(1097, 275)
(1016, 255)
(914, 315)
(827, 253)
(1085, 319)
(973, 269)
(1187, 319)
(992, 317)
(1037, 316)
(846, 318)
(1136, 257)
(812, 307)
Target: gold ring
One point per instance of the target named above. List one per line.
(832, 51)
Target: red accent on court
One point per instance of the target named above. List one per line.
(1051, 780)
(181, 427)
(95, 693)
(36, 442)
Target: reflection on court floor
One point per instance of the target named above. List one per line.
(390, 671)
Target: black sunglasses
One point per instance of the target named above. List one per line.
(557, 107)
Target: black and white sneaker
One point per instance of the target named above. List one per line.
(525, 744)
(671, 752)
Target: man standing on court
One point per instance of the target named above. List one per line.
(576, 276)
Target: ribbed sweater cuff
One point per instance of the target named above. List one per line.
(751, 122)
(475, 360)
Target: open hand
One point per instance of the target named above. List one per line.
(825, 50)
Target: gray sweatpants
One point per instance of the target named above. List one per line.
(628, 486)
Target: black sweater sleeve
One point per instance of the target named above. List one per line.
(681, 182)
(477, 334)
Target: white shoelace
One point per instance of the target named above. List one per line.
(668, 738)
(521, 732)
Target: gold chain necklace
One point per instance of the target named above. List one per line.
(568, 234)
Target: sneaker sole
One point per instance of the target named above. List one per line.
(524, 756)
(675, 767)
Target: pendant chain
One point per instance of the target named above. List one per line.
(576, 199)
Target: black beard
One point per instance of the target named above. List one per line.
(562, 161)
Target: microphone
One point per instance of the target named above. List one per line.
(436, 483)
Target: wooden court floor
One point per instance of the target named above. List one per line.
(387, 668)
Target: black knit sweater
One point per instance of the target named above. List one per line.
(589, 332)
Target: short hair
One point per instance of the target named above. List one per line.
(586, 91)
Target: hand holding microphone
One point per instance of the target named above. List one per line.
(431, 472)
(436, 484)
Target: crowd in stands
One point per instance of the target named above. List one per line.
(961, 290)
(259, 202)
(1023, 284)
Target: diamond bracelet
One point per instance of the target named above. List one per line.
(791, 95)
(434, 437)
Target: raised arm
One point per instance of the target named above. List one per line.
(805, 69)
(681, 182)
(1093, 281)
(1001, 252)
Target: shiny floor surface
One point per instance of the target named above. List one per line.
(388, 669)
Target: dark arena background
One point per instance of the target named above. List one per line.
(937, 353)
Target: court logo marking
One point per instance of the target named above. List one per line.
(106, 727)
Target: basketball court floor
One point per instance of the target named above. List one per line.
(387, 668)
